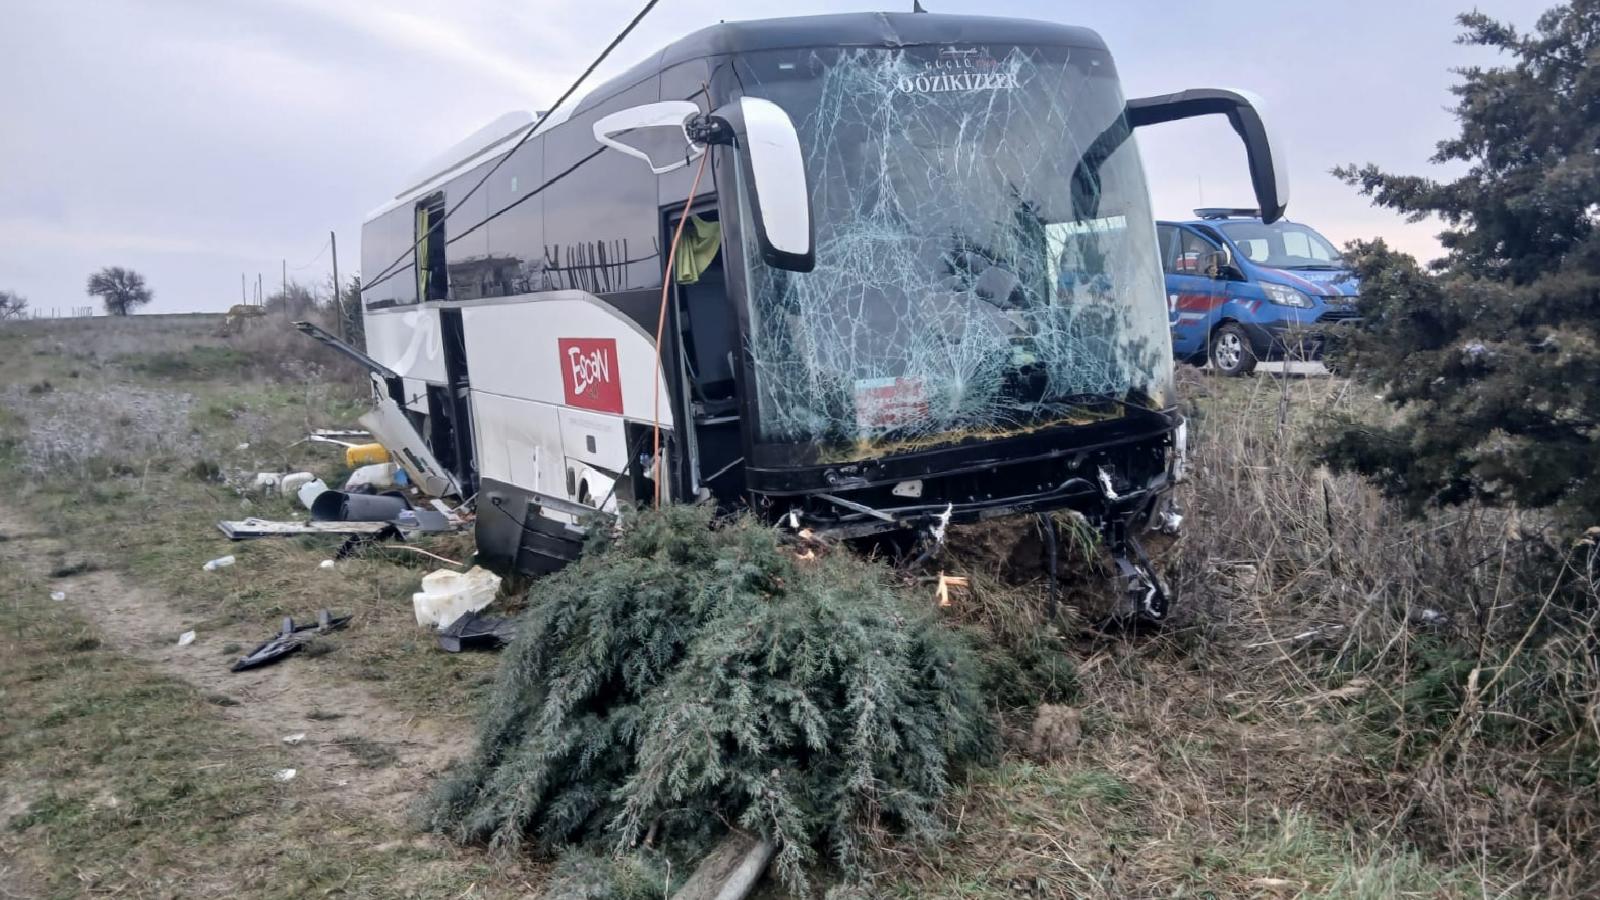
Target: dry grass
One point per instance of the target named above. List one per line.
(130, 455)
(1351, 703)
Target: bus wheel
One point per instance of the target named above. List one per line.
(1230, 351)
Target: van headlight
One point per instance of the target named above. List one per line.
(1283, 295)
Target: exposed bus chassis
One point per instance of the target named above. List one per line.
(1121, 485)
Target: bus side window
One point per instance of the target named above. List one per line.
(432, 281)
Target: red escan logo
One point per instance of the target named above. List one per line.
(589, 374)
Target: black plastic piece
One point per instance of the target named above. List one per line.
(474, 632)
(289, 639)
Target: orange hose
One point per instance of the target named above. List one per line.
(661, 320)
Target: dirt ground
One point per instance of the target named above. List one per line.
(345, 726)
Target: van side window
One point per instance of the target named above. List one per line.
(1167, 237)
(1193, 251)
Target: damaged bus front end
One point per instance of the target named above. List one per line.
(906, 275)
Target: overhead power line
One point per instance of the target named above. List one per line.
(393, 267)
(313, 259)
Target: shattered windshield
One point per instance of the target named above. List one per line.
(985, 255)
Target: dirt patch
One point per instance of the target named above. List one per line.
(356, 748)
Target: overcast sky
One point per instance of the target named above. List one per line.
(193, 140)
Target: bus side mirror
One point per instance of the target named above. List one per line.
(1268, 171)
(659, 127)
(780, 198)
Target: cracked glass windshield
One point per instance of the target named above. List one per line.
(986, 259)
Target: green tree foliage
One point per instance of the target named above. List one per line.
(1494, 351)
(680, 676)
(347, 306)
(13, 305)
(292, 302)
(120, 289)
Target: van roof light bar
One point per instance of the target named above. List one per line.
(1217, 212)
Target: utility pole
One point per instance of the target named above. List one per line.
(261, 297)
(285, 278)
(338, 296)
(243, 299)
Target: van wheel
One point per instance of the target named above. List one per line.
(1230, 351)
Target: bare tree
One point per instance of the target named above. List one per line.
(13, 305)
(120, 289)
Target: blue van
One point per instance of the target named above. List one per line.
(1240, 291)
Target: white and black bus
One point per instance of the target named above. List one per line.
(918, 283)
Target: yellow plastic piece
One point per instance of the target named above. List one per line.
(365, 455)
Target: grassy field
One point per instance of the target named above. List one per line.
(1353, 703)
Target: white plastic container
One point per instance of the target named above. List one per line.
(447, 596)
(291, 483)
(309, 492)
(219, 563)
(379, 475)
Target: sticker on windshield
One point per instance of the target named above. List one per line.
(886, 403)
(959, 69)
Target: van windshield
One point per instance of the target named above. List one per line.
(1283, 245)
(985, 255)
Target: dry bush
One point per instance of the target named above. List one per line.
(282, 352)
(1418, 695)
(1461, 645)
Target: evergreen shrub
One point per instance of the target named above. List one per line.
(685, 676)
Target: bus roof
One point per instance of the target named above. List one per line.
(880, 29)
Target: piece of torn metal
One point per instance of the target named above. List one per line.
(289, 639)
(245, 529)
(388, 423)
(474, 632)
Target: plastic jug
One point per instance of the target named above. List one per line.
(378, 475)
(291, 484)
(309, 492)
(365, 454)
(447, 596)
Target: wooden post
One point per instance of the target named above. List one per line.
(338, 295)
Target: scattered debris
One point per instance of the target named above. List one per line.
(310, 491)
(346, 506)
(243, 446)
(290, 484)
(284, 775)
(58, 596)
(444, 559)
(288, 640)
(474, 632)
(365, 454)
(293, 739)
(325, 564)
(388, 423)
(946, 582)
(186, 638)
(380, 476)
(245, 529)
(1056, 731)
(447, 595)
(730, 871)
(1428, 616)
(1295, 639)
(220, 562)
(266, 482)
